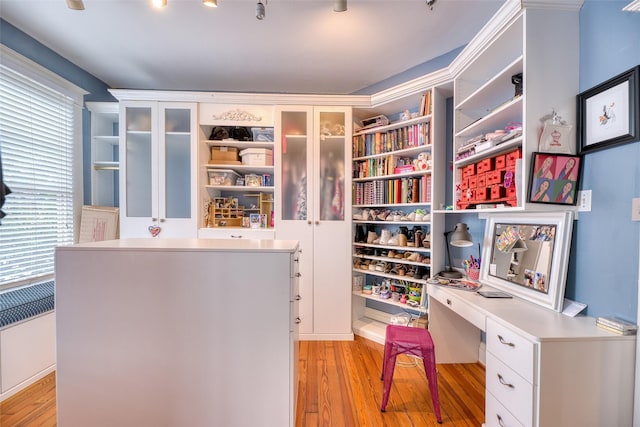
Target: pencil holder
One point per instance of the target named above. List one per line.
(473, 273)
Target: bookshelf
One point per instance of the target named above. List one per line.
(398, 185)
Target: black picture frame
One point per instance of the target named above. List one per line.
(609, 113)
(554, 178)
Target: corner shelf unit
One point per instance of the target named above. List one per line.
(384, 181)
(105, 165)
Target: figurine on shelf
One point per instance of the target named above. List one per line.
(423, 162)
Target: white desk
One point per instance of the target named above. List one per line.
(543, 368)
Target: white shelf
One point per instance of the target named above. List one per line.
(238, 144)
(392, 276)
(497, 118)
(398, 205)
(419, 309)
(393, 176)
(240, 168)
(238, 188)
(402, 248)
(393, 126)
(490, 152)
(370, 329)
(404, 152)
(359, 221)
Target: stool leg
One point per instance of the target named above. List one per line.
(389, 366)
(385, 356)
(429, 362)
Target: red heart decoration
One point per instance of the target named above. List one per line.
(154, 230)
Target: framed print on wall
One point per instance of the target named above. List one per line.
(554, 178)
(609, 114)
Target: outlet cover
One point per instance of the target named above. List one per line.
(584, 201)
(635, 209)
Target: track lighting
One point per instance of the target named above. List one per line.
(159, 3)
(260, 11)
(75, 4)
(339, 5)
(430, 3)
(210, 3)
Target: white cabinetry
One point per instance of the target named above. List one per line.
(174, 335)
(104, 153)
(543, 368)
(387, 185)
(533, 44)
(158, 173)
(313, 184)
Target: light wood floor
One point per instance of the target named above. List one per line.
(339, 386)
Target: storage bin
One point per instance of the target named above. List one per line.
(262, 134)
(223, 177)
(224, 155)
(257, 157)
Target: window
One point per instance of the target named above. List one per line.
(39, 123)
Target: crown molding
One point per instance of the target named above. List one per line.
(572, 5)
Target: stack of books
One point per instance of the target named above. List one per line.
(616, 325)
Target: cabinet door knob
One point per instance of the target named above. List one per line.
(317, 222)
(298, 298)
(504, 383)
(309, 222)
(502, 341)
(298, 321)
(154, 219)
(162, 219)
(448, 301)
(298, 275)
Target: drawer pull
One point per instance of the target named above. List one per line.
(448, 301)
(504, 383)
(502, 341)
(500, 422)
(234, 236)
(298, 275)
(298, 298)
(298, 321)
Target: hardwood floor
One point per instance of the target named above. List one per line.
(339, 386)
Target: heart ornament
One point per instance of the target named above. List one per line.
(154, 230)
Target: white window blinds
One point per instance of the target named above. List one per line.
(37, 152)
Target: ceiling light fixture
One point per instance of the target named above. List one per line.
(75, 4)
(634, 6)
(159, 3)
(340, 5)
(210, 3)
(260, 10)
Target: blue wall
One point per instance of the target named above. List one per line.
(20, 42)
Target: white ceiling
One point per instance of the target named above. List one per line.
(302, 46)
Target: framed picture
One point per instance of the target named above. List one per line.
(609, 114)
(554, 178)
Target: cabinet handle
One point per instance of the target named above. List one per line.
(162, 219)
(154, 219)
(298, 298)
(448, 301)
(298, 275)
(504, 383)
(298, 321)
(500, 422)
(296, 260)
(502, 341)
(309, 222)
(317, 222)
(233, 236)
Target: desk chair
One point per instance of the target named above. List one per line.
(415, 341)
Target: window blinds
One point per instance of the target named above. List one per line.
(36, 151)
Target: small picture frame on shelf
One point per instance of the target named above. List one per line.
(254, 220)
(609, 113)
(554, 178)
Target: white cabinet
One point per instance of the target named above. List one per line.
(543, 368)
(104, 153)
(497, 126)
(313, 184)
(158, 169)
(181, 332)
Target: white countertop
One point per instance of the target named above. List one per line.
(189, 245)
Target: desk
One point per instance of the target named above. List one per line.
(543, 368)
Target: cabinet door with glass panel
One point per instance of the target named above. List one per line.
(158, 168)
(312, 183)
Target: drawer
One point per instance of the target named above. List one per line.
(237, 233)
(510, 389)
(497, 415)
(457, 305)
(512, 349)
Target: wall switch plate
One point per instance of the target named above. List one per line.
(584, 201)
(635, 209)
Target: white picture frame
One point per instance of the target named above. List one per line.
(562, 224)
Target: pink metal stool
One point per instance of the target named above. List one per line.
(414, 341)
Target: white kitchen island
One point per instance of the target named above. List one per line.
(177, 332)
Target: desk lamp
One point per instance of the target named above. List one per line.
(460, 238)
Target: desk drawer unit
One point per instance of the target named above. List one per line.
(511, 348)
(458, 306)
(510, 389)
(497, 415)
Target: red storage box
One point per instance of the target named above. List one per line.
(485, 165)
(512, 157)
(500, 162)
(481, 180)
(482, 194)
(473, 181)
(497, 192)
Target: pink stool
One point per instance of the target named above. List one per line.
(414, 341)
